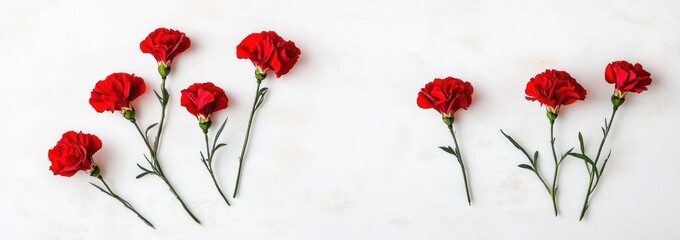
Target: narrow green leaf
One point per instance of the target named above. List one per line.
(580, 141)
(565, 155)
(143, 169)
(202, 157)
(219, 132)
(165, 94)
(525, 166)
(604, 164)
(535, 160)
(146, 133)
(512, 141)
(151, 164)
(261, 95)
(263, 91)
(585, 158)
(448, 149)
(160, 99)
(219, 146)
(101, 189)
(143, 174)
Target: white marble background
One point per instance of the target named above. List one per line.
(340, 149)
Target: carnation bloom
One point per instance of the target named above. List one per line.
(554, 88)
(446, 95)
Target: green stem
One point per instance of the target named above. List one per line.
(146, 141)
(591, 186)
(208, 166)
(245, 141)
(164, 104)
(125, 203)
(180, 199)
(158, 170)
(553, 192)
(460, 161)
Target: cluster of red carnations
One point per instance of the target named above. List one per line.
(74, 151)
(554, 89)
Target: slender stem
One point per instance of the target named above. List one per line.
(207, 150)
(553, 193)
(164, 104)
(125, 203)
(219, 189)
(543, 181)
(460, 161)
(180, 200)
(146, 141)
(591, 186)
(245, 142)
(208, 166)
(154, 150)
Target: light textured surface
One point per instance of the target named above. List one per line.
(340, 150)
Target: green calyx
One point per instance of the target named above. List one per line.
(551, 115)
(129, 114)
(447, 120)
(617, 101)
(260, 75)
(163, 69)
(205, 125)
(94, 171)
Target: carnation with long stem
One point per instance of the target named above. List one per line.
(626, 78)
(257, 102)
(456, 153)
(447, 96)
(73, 153)
(268, 52)
(210, 152)
(202, 100)
(164, 44)
(554, 89)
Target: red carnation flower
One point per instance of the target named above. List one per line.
(73, 153)
(627, 77)
(116, 92)
(165, 44)
(267, 50)
(203, 99)
(554, 88)
(446, 95)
